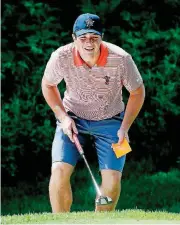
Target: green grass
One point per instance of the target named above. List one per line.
(125, 216)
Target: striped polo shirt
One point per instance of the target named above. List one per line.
(93, 93)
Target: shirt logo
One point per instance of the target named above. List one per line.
(89, 23)
(106, 79)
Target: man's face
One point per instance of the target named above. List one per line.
(88, 44)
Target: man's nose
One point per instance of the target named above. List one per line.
(89, 40)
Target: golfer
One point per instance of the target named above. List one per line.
(95, 72)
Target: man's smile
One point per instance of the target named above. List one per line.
(89, 49)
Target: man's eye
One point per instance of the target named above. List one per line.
(95, 38)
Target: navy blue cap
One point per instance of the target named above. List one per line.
(87, 23)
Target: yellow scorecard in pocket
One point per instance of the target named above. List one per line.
(121, 149)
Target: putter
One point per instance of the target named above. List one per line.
(101, 200)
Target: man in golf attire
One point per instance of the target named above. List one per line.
(94, 72)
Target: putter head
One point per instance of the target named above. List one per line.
(103, 200)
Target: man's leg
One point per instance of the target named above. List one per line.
(111, 167)
(111, 187)
(64, 158)
(59, 187)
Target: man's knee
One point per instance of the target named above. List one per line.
(111, 180)
(61, 171)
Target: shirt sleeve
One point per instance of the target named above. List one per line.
(131, 78)
(53, 71)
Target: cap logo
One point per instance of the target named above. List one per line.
(89, 23)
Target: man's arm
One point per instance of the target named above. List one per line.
(134, 105)
(53, 99)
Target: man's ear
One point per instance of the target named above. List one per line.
(74, 37)
(102, 36)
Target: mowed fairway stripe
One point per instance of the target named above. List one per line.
(114, 221)
(89, 217)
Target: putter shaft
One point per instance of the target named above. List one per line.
(80, 149)
(92, 176)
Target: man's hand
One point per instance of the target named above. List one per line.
(68, 126)
(121, 135)
(133, 107)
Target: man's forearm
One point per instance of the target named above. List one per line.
(53, 99)
(133, 107)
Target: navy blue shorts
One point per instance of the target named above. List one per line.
(104, 133)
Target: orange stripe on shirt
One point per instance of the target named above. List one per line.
(78, 61)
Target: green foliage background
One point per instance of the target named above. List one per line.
(139, 191)
(32, 30)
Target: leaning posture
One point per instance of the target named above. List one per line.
(95, 72)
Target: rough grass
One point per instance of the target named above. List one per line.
(116, 217)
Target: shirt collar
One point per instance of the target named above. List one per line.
(78, 61)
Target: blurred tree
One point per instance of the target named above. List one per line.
(32, 30)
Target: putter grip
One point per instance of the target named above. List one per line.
(77, 143)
